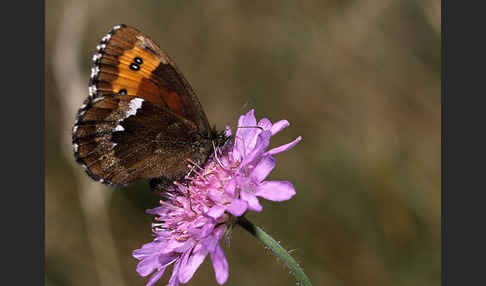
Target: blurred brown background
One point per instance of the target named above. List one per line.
(358, 80)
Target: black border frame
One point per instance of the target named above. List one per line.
(23, 143)
(463, 154)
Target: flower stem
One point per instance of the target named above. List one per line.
(277, 250)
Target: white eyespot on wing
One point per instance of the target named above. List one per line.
(134, 105)
(75, 147)
(119, 128)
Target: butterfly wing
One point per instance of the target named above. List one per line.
(128, 61)
(142, 119)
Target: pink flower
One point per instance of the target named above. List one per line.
(184, 235)
(195, 213)
(243, 170)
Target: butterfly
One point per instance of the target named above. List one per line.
(142, 119)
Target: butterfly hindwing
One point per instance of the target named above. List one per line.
(118, 139)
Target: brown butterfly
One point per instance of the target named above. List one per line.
(141, 120)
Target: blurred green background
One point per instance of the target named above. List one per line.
(358, 80)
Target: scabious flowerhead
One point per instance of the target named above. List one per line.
(195, 213)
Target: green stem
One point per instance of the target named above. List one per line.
(277, 250)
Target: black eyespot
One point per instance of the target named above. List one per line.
(122, 91)
(134, 67)
(138, 60)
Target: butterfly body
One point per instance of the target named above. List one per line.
(142, 119)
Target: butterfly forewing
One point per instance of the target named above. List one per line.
(141, 119)
(127, 61)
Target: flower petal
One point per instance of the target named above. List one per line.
(247, 120)
(262, 169)
(215, 212)
(265, 123)
(206, 229)
(252, 201)
(189, 266)
(174, 279)
(215, 195)
(230, 187)
(147, 265)
(227, 131)
(183, 260)
(154, 278)
(210, 243)
(246, 134)
(157, 210)
(237, 207)
(278, 126)
(220, 265)
(219, 231)
(175, 245)
(261, 144)
(275, 190)
(284, 147)
(146, 250)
